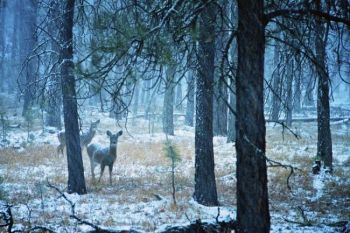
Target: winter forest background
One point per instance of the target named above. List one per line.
(205, 116)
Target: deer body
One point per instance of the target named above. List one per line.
(85, 138)
(105, 156)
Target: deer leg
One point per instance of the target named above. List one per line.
(102, 170)
(110, 173)
(60, 149)
(92, 164)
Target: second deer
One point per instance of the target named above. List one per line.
(85, 138)
(105, 156)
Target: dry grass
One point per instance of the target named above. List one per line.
(142, 171)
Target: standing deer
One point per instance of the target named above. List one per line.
(105, 156)
(85, 138)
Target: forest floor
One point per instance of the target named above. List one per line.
(140, 196)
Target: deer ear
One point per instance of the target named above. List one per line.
(109, 133)
(120, 132)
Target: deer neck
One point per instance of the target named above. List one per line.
(91, 133)
(113, 151)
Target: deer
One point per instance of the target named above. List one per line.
(105, 156)
(85, 138)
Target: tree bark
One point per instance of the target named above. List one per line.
(205, 186)
(168, 104)
(178, 99)
(190, 100)
(54, 105)
(289, 92)
(231, 122)
(220, 109)
(276, 85)
(220, 89)
(297, 85)
(76, 180)
(14, 50)
(252, 195)
(146, 100)
(135, 105)
(27, 43)
(324, 140)
(2, 45)
(309, 92)
(231, 132)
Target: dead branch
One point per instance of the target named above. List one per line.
(62, 195)
(284, 126)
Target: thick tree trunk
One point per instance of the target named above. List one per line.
(252, 195)
(190, 100)
(76, 180)
(205, 186)
(27, 44)
(324, 141)
(168, 104)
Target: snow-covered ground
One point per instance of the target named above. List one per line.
(140, 196)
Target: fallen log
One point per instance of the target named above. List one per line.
(345, 119)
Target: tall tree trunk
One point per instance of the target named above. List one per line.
(309, 92)
(297, 93)
(324, 140)
(205, 186)
(143, 93)
(220, 88)
(289, 92)
(147, 98)
(190, 99)
(231, 132)
(54, 105)
(168, 104)
(27, 44)
(117, 109)
(297, 85)
(276, 85)
(14, 50)
(135, 105)
(252, 195)
(231, 122)
(178, 98)
(76, 180)
(2, 45)
(220, 109)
